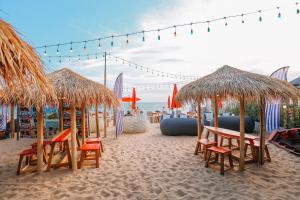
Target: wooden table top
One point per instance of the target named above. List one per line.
(229, 133)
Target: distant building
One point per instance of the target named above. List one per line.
(296, 82)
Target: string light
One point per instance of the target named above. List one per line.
(279, 13)
(260, 17)
(171, 27)
(84, 47)
(71, 47)
(49, 59)
(225, 19)
(243, 21)
(175, 33)
(59, 59)
(78, 57)
(57, 50)
(143, 36)
(127, 41)
(158, 36)
(192, 31)
(45, 51)
(112, 41)
(208, 28)
(99, 44)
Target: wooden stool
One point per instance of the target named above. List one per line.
(255, 150)
(95, 140)
(28, 153)
(85, 148)
(206, 143)
(222, 151)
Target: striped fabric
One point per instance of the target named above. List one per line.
(273, 107)
(118, 89)
(3, 117)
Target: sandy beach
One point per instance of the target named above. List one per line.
(150, 166)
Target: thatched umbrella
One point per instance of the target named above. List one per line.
(19, 63)
(229, 82)
(79, 91)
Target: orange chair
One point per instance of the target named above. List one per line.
(28, 153)
(85, 148)
(95, 141)
(222, 151)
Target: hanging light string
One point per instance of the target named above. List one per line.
(174, 27)
(138, 67)
(148, 87)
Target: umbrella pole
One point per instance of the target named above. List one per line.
(262, 131)
(73, 138)
(40, 138)
(12, 119)
(83, 133)
(97, 120)
(104, 103)
(60, 113)
(199, 121)
(242, 133)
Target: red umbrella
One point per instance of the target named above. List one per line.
(169, 102)
(133, 106)
(175, 104)
(129, 99)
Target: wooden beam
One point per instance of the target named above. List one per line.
(73, 138)
(242, 132)
(97, 120)
(83, 133)
(262, 131)
(199, 120)
(60, 115)
(12, 120)
(216, 113)
(104, 103)
(40, 138)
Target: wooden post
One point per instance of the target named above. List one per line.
(262, 131)
(40, 138)
(73, 138)
(83, 133)
(12, 119)
(199, 120)
(242, 133)
(61, 115)
(104, 103)
(97, 120)
(216, 113)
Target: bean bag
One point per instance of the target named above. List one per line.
(179, 126)
(233, 123)
(135, 124)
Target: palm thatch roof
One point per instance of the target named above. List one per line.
(19, 63)
(77, 90)
(234, 83)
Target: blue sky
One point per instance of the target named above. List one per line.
(260, 47)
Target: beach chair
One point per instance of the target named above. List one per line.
(28, 154)
(85, 149)
(95, 141)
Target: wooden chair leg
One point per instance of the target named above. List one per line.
(222, 164)
(230, 160)
(101, 145)
(253, 152)
(246, 148)
(221, 141)
(68, 153)
(97, 158)
(82, 156)
(197, 148)
(20, 165)
(205, 152)
(267, 153)
(216, 157)
(208, 158)
(50, 156)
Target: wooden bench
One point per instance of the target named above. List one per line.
(63, 139)
(95, 140)
(205, 142)
(222, 151)
(28, 153)
(85, 148)
(255, 150)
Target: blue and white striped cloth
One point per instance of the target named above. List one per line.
(273, 107)
(118, 89)
(3, 117)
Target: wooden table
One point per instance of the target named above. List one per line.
(230, 134)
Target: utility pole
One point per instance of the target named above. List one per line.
(104, 103)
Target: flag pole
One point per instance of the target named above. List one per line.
(104, 103)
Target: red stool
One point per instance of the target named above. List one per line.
(85, 148)
(95, 140)
(28, 153)
(222, 151)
